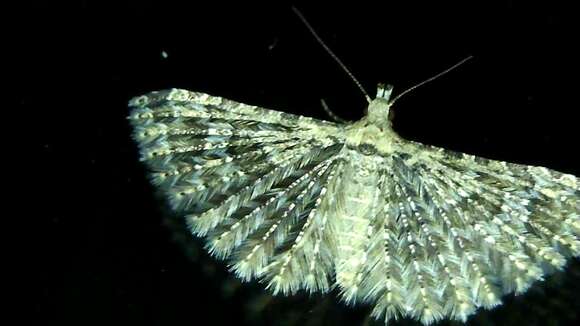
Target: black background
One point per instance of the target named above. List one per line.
(105, 249)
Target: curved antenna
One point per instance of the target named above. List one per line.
(313, 32)
(432, 78)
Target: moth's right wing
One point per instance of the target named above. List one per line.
(253, 181)
(459, 231)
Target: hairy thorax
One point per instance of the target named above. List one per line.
(374, 132)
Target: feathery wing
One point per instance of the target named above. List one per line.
(457, 231)
(251, 180)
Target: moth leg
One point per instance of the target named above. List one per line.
(331, 114)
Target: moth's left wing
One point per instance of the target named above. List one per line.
(252, 181)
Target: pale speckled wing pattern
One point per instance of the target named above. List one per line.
(250, 180)
(417, 231)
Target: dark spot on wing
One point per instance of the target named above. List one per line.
(367, 149)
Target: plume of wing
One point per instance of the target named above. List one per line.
(456, 232)
(253, 182)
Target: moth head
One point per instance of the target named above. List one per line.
(379, 108)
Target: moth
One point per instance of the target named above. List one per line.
(304, 204)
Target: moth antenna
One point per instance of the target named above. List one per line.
(431, 79)
(342, 65)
